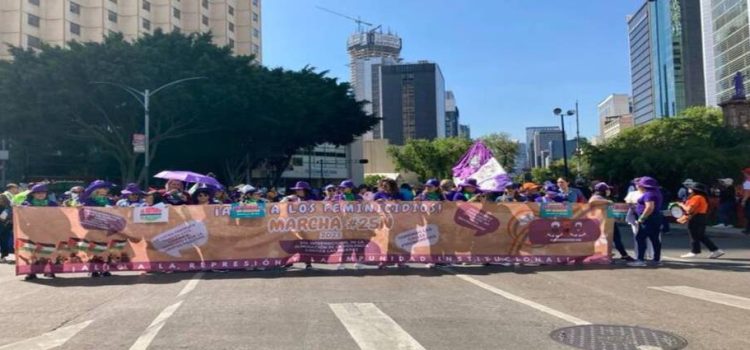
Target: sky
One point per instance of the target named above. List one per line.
(508, 62)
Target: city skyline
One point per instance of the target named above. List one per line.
(506, 75)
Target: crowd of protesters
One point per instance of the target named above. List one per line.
(646, 218)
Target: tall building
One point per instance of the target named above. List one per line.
(531, 153)
(29, 23)
(543, 140)
(464, 131)
(451, 115)
(614, 115)
(726, 46)
(521, 161)
(368, 51)
(412, 101)
(666, 58)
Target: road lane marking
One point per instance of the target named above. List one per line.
(149, 334)
(191, 284)
(372, 329)
(707, 295)
(48, 340)
(548, 310)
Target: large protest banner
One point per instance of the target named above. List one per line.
(184, 238)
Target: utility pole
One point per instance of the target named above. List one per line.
(578, 143)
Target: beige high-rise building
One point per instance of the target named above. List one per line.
(28, 23)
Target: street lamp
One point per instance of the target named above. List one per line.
(559, 111)
(143, 98)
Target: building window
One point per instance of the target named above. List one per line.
(256, 49)
(231, 43)
(146, 5)
(256, 32)
(255, 17)
(75, 28)
(231, 10)
(176, 13)
(204, 19)
(146, 24)
(34, 2)
(231, 27)
(33, 20)
(75, 8)
(205, 4)
(112, 16)
(33, 41)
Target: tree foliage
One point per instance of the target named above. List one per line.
(243, 115)
(694, 145)
(372, 180)
(430, 158)
(504, 149)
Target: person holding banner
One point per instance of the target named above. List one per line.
(329, 193)
(468, 191)
(530, 192)
(603, 194)
(203, 195)
(174, 193)
(511, 194)
(302, 192)
(97, 194)
(388, 191)
(133, 197)
(37, 197)
(570, 194)
(431, 191)
(696, 210)
(346, 193)
(551, 195)
(151, 198)
(649, 220)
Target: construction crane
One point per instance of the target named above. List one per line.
(357, 20)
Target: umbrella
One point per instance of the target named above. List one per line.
(187, 176)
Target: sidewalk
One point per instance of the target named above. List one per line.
(730, 232)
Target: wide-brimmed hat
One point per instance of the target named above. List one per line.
(209, 190)
(245, 189)
(727, 182)
(601, 187)
(469, 183)
(698, 187)
(329, 187)
(132, 188)
(529, 186)
(648, 182)
(345, 184)
(96, 185)
(39, 188)
(301, 185)
(688, 182)
(432, 183)
(551, 189)
(11, 185)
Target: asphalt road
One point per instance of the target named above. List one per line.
(463, 307)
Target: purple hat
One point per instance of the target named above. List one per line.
(347, 184)
(210, 190)
(551, 189)
(601, 187)
(95, 186)
(648, 182)
(432, 183)
(469, 183)
(301, 185)
(132, 188)
(39, 188)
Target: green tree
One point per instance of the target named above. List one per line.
(430, 158)
(504, 149)
(372, 180)
(243, 115)
(694, 145)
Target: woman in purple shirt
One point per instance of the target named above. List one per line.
(649, 214)
(389, 191)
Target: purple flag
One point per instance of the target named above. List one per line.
(477, 156)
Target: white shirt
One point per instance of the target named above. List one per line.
(746, 185)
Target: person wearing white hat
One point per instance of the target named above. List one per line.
(682, 193)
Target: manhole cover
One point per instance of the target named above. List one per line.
(609, 337)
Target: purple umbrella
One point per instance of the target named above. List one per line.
(187, 176)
